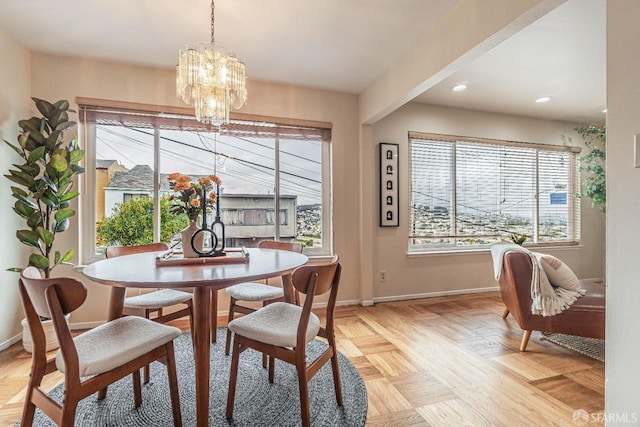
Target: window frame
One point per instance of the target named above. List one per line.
(574, 208)
(87, 181)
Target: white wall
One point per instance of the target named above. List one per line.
(15, 74)
(428, 274)
(56, 77)
(623, 211)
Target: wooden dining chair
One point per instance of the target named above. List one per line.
(282, 331)
(155, 301)
(256, 292)
(105, 354)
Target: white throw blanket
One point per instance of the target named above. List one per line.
(548, 300)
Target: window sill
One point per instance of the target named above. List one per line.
(487, 250)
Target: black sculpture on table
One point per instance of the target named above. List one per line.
(216, 243)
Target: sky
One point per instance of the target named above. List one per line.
(244, 165)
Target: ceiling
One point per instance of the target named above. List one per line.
(337, 45)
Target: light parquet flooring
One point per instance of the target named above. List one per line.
(447, 361)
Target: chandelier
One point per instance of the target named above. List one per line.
(211, 79)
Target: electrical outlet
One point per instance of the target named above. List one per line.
(383, 276)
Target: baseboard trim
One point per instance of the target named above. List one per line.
(85, 325)
(345, 303)
(435, 294)
(11, 341)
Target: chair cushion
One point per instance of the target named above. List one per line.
(558, 272)
(157, 299)
(275, 324)
(118, 342)
(254, 292)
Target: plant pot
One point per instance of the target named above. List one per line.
(49, 335)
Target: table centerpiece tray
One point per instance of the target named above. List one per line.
(177, 258)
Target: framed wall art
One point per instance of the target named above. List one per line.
(389, 209)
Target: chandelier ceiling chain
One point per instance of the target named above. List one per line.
(211, 79)
(213, 20)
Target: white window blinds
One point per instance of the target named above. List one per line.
(472, 192)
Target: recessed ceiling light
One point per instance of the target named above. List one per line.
(604, 111)
(543, 99)
(459, 87)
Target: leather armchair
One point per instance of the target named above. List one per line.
(585, 317)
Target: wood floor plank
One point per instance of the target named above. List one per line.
(526, 365)
(591, 378)
(422, 389)
(391, 363)
(453, 413)
(384, 398)
(571, 393)
(406, 418)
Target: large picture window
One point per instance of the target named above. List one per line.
(265, 167)
(475, 192)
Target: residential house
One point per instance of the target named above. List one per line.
(105, 169)
(248, 218)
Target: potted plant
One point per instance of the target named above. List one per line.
(594, 185)
(44, 181)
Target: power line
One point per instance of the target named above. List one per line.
(282, 162)
(230, 157)
(297, 188)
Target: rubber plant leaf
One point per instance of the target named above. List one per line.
(38, 261)
(58, 162)
(28, 237)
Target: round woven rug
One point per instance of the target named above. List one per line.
(258, 403)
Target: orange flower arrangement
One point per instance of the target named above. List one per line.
(189, 194)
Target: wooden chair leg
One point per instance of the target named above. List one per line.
(137, 390)
(28, 412)
(35, 379)
(336, 376)
(272, 368)
(190, 305)
(227, 347)
(102, 393)
(304, 391)
(147, 374)
(69, 412)
(173, 384)
(214, 315)
(264, 356)
(233, 378)
(525, 340)
(505, 313)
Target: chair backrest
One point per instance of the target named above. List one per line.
(285, 246)
(325, 277)
(515, 287)
(313, 280)
(116, 251)
(70, 292)
(51, 298)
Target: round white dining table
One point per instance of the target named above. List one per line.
(140, 271)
